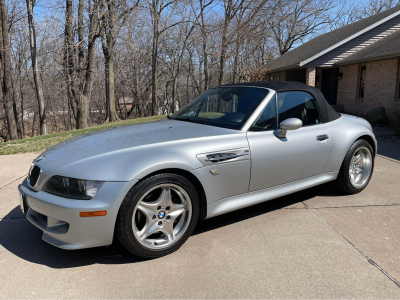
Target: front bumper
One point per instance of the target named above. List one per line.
(61, 223)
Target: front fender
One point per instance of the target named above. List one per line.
(132, 164)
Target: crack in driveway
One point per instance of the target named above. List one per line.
(360, 251)
(387, 158)
(13, 181)
(346, 206)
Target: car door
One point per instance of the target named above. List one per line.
(302, 153)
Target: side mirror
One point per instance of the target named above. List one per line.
(288, 124)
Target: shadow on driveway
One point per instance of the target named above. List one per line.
(24, 240)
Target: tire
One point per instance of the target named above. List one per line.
(167, 223)
(351, 166)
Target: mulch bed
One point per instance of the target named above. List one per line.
(384, 133)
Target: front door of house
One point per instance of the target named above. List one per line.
(330, 84)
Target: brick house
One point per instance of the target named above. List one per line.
(356, 66)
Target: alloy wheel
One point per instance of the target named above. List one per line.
(161, 216)
(360, 167)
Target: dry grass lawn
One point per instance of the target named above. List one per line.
(41, 143)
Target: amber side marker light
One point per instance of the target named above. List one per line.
(93, 213)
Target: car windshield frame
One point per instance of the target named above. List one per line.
(224, 96)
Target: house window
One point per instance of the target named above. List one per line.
(275, 77)
(361, 83)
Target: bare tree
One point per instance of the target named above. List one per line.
(231, 7)
(79, 72)
(293, 21)
(5, 70)
(155, 55)
(35, 68)
(373, 7)
(203, 29)
(114, 18)
(185, 33)
(157, 9)
(245, 27)
(352, 11)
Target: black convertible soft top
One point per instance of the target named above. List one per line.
(328, 114)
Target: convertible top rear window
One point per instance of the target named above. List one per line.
(228, 107)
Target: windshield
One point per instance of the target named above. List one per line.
(228, 107)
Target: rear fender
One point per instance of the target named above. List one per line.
(344, 132)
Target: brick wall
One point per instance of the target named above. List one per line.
(380, 87)
(311, 76)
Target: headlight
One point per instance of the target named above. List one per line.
(72, 188)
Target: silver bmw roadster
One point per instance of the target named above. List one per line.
(234, 146)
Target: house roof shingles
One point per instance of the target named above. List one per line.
(323, 42)
(385, 47)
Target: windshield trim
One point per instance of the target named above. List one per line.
(252, 117)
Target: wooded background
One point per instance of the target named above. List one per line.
(78, 63)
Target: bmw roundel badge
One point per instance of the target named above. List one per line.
(39, 158)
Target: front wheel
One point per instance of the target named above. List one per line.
(357, 168)
(158, 215)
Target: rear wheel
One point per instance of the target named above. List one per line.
(158, 215)
(357, 168)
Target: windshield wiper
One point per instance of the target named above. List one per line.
(189, 120)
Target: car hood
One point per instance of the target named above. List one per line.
(88, 155)
(137, 135)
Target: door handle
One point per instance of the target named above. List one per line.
(322, 137)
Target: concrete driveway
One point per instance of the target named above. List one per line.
(313, 244)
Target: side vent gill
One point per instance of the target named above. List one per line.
(218, 157)
(233, 155)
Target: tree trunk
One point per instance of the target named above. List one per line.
(22, 110)
(15, 110)
(55, 111)
(108, 44)
(236, 60)
(82, 97)
(33, 124)
(174, 93)
(224, 48)
(68, 58)
(83, 112)
(111, 115)
(19, 130)
(205, 54)
(154, 99)
(5, 59)
(36, 71)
